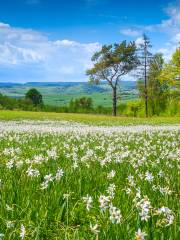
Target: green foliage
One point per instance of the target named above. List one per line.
(111, 63)
(35, 96)
(81, 104)
(171, 71)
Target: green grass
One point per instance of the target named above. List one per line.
(86, 160)
(61, 96)
(86, 118)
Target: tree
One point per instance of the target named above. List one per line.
(35, 96)
(111, 63)
(171, 72)
(83, 103)
(145, 59)
(158, 91)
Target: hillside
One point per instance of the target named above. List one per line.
(60, 93)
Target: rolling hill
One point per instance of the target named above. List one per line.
(60, 93)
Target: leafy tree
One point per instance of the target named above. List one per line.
(171, 72)
(111, 63)
(83, 103)
(157, 90)
(35, 96)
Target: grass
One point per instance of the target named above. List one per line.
(87, 118)
(62, 95)
(145, 180)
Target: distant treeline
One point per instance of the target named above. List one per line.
(133, 108)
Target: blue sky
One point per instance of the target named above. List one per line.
(53, 40)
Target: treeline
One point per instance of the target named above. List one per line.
(134, 108)
(158, 81)
(158, 84)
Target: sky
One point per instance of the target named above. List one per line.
(53, 40)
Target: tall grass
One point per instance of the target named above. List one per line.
(145, 165)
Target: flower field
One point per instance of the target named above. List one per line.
(62, 180)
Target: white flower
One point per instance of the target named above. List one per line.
(144, 207)
(8, 208)
(1, 235)
(19, 164)
(22, 231)
(111, 190)
(167, 214)
(66, 196)
(48, 178)
(115, 215)
(59, 174)
(44, 185)
(10, 224)
(88, 200)
(94, 228)
(32, 172)
(111, 174)
(140, 235)
(149, 177)
(104, 202)
(10, 164)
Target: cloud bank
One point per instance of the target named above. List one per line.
(29, 55)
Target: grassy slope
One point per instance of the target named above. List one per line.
(61, 96)
(86, 118)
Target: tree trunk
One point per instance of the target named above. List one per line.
(114, 102)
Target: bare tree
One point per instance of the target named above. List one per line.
(145, 57)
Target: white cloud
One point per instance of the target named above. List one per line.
(4, 25)
(139, 41)
(130, 32)
(176, 38)
(60, 60)
(171, 25)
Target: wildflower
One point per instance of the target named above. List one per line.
(104, 202)
(48, 178)
(8, 208)
(160, 174)
(1, 235)
(59, 174)
(149, 177)
(88, 200)
(66, 195)
(131, 180)
(19, 164)
(44, 185)
(168, 217)
(32, 172)
(144, 207)
(22, 231)
(10, 164)
(115, 215)
(111, 174)
(94, 229)
(140, 235)
(111, 190)
(10, 224)
(128, 190)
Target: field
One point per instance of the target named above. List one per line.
(60, 94)
(65, 180)
(86, 118)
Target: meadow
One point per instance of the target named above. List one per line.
(61, 93)
(91, 119)
(65, 180)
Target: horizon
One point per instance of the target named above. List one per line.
(41, 41)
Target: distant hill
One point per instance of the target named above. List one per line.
(60, 93)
